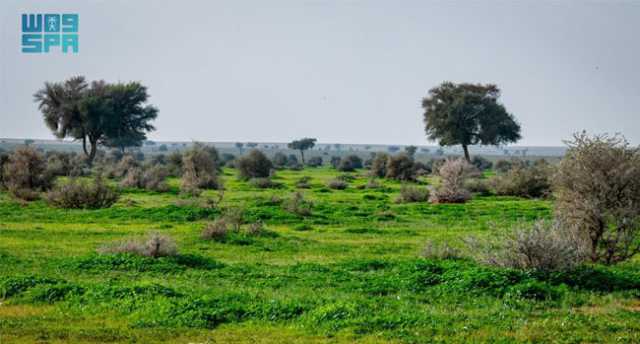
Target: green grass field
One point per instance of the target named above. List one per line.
(351, 271)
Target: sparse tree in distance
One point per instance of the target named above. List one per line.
(239, 145)
(468, 114)
(302, 145)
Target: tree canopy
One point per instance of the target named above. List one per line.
(113, 115)
(468, 114)
(302, 145)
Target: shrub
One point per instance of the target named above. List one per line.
(298, 205)
(154, 246)
(598, 192)
(82, 194)
(126, 164)
(264, 183)
(544, 246)
(434, 250)
(227, 159)
(349, 163)
(379, 165)
(522, 180)
(280, 160)
(4, 159)
(421, 169)
(304, 182)
(253, 165)
(154, 178)
(481, 163)
(199, 171)
(335, 161)
(453, 174)
(315, 161)
(25, 174)
(477, 185)
(174, 164)
(401, 167)
(412, 193)
(216, 230)
(64, 164)
(502, 166)
(337, 184)
(372, 184)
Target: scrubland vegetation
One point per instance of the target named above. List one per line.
(318, 254)
(198, 246)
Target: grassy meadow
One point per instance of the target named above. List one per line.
(351, 271)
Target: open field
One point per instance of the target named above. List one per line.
(350, 271)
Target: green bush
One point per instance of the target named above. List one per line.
(253, 165)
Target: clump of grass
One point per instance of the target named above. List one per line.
(155, 245)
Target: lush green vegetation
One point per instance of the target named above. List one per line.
(351, 270)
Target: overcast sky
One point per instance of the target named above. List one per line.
(341, 71)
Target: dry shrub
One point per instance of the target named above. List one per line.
(199, 171)
(524, 180)
(216, 230)
(126, 164)
(155, 245)
(221, 228)
(25, 174)
(442, 250)
(298, 205)
(149, 178)
(544, 246)
(234, 216)
(337, 184)
(154, 179)
(453, 174)
(379, 165)
(401, 167)
(598, 193)
(254, 165)
(65, 164)
(82, 194)
(412, 193)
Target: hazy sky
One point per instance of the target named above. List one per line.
(341, 71)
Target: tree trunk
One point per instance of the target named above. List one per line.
(302, 156)
(466, 153)
(84, 146)
(92, 153)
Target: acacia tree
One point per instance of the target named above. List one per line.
(468, 114)
(114, 115)
(302, 145)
